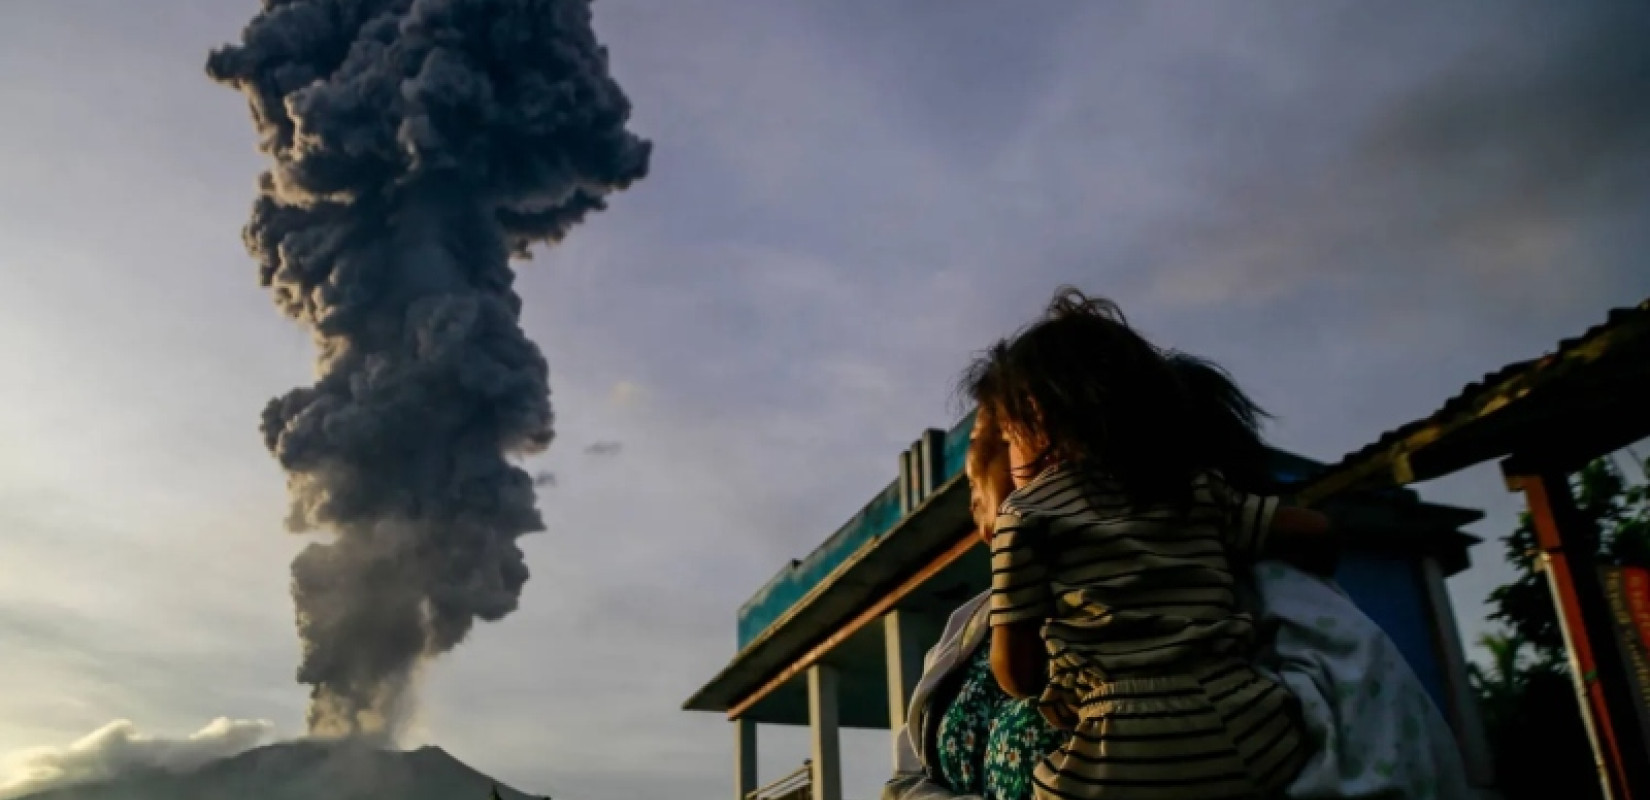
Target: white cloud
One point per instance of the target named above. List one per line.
(119, 749)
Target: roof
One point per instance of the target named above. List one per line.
(879, 562)
(1585, 398)
(878, 517)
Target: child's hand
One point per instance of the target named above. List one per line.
(1019, 660)
(1306, 539)
(1057, 719)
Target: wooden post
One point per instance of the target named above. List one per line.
(932, 461)
(1568, 543)
(907, 499)
(822, 723)
(904, 646)
(744, 759)
(1463, 709)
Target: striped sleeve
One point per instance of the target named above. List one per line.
(1019, 577)
(1247, 518)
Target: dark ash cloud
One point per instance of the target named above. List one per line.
(417, 145)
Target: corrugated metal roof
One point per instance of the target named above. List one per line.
(1492, 391)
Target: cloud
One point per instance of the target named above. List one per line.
(1529, 146)
(119, 749)
(604, 448)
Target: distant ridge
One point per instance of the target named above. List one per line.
(305, 770)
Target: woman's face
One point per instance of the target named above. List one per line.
(988, 476)
(1020, 453)
(1021, 448)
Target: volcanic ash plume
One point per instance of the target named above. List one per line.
(417, 146)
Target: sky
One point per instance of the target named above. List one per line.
(1355, 207)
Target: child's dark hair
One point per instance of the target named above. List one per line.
(1093, 394)
(1099, 397)
(1227, 422)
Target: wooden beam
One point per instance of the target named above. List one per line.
(871, 614)
(1568, 448)
(1567, 541)
(1373, 468)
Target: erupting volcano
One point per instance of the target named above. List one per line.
(418, 145)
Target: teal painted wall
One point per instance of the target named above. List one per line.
(796, 580)
(956, 448)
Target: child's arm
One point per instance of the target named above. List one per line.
(1018, 658)
(1305, 538)
(1262, 527)
(1020, 602)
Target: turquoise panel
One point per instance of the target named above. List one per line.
(956, 448)
(796, 580)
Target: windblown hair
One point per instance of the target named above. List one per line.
(1226, 424)
(989, 481)
(1090, 392)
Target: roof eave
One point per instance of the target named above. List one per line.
(929, 527)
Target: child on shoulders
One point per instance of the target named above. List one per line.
(1113, 570)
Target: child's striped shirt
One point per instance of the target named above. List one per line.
(1126, 589)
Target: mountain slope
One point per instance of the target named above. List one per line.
(304, 771)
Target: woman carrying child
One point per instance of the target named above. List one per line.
(1114, 561)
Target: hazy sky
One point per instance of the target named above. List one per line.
(1357, 207)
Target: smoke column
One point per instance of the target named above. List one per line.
(417, 145)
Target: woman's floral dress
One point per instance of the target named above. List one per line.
(988, 741)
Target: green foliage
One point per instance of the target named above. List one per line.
(1505, 682)
(1526, 694)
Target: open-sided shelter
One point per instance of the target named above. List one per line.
(836, 639)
